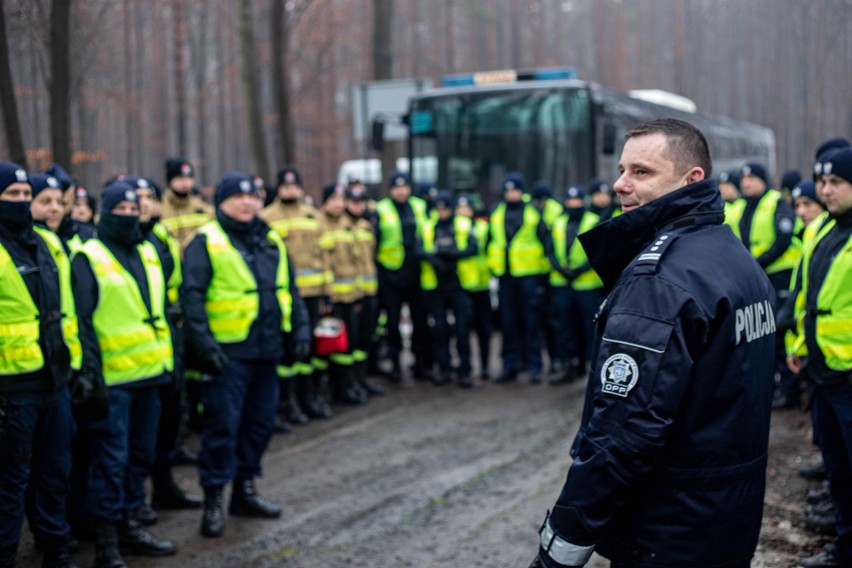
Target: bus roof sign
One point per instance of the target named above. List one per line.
(508, 76)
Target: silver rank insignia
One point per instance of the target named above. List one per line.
(619, 375)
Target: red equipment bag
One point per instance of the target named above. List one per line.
(330, 336)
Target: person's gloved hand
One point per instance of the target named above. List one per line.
(438, 263)
(81, 387)
(302, 351)
(213, 361)
(174, 312)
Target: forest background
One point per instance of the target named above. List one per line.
(115, 86)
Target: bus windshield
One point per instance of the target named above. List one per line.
(468, 141)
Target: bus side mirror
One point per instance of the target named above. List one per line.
(608, 145)
(377, 135)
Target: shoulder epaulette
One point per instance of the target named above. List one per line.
(648, 260)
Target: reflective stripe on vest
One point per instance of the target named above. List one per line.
(588, 280)
(794, 341)
(733, 214)
(19, 329)
(483, 279)
(525, 252)
(232, 301)
(135, 344)
(188, 221)
(466, 268)
(391, 251)
(834, 305)
(70, 331)
(762, 234)
(176, 277)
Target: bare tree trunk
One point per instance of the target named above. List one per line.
(180, 75)
(200, 95)
(280, 52)
(251, 92)
(7, 99)
(383, 62)
(60, 82)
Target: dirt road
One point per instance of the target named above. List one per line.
(437, 477)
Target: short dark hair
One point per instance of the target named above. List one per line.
(686, 144)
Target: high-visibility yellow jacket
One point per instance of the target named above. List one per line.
(576, 256)
(466, 268)
(183, 216)
(391, 250)
(338, 245)
(135, 343)
(525, 253)
(232, 301)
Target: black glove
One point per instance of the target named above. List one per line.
(90, 394)
(213, 361)
(174, 312)
(536, 563)
(569, 273)
(302, 351)
(81, 387)
(438, 263)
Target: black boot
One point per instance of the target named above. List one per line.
(289, 408)
(360, 374)
(144, 515)
(8, 562)
(168, 494)
(343, 386)
(134, 540)
(313, 395)
(56, 555)
(106, 546)
(213, 518)
(246, 502)
(395, 375)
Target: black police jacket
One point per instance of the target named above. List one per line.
(265, 341)
(670, 459)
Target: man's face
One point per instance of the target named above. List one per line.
(752, 185)
(464, 210)
(400, 193)
(48, 207)
(241, 207)
(356, 207)
(182, 184)
(729, 191)
(648, 172)
(512, 195)
(574, 203)
(806, 209)
(836, 193)
(81, 211)
(444, 213)
(334, 205)
(146, 207)
(18, 191)
(290, 192)
(601, 199)
(128, 208)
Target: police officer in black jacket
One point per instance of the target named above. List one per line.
(236, 303)
(670, 461)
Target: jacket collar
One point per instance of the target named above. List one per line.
(614, 243)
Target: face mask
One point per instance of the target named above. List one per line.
(575, 213)
(15, 214)
(120, 228)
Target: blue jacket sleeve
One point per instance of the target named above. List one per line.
(197, 274)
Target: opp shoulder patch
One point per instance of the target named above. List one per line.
(619, 374)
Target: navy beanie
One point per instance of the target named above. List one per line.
(64, 179)
(443, 198)
(43, 181)
(427, 190)
(732, 177)
(398, 178)
(178, 167)
(513, 180)
(139, 183)
(598, 185)
(289, 174)
(755, 169)
(233, 183)
(575, 192)
(12, 173)
(831, 144)
(790, 179)
(115, 193)
(540, 190)
(805, 188)
(839, 163)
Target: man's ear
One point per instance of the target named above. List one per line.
(695, 174)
